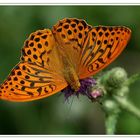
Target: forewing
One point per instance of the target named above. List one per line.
(102, 45)
(70, 35)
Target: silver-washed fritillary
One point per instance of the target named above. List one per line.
(53, 59)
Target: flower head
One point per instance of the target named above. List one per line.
(86, 88)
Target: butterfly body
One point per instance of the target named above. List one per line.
(53, 59)
(69, 71)
(71, 76)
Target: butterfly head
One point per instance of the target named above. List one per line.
(75, 85)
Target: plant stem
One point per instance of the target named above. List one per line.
(110, 124)
(125, 104)
(132, 79)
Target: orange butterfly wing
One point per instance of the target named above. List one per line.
(38, 74)
(70, 33)
(88, 48)
(102, 45)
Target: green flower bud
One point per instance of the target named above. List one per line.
(110, 106)
(117, 77)
(113, 80)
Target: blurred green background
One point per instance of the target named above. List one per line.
(52, 115)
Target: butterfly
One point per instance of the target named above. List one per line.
(53, 59)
